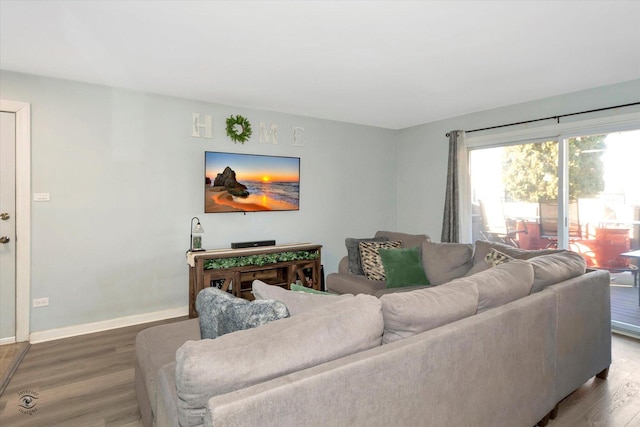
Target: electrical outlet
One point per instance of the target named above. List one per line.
(41, 302)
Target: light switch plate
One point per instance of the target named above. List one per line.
(41, 302)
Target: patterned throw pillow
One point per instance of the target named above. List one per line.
(494, 258)
(371, 261)
(353, 252)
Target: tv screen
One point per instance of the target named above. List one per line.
(250, 183)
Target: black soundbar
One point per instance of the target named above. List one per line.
(240, 245)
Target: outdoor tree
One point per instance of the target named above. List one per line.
(531, 170)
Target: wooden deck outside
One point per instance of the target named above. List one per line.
(625, 310)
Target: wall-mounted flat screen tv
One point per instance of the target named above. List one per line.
(250, 183)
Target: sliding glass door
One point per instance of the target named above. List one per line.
(589, 182)
(579, 192)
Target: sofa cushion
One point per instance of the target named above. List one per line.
(410, 313)
(353, 252)
(410, 288)
(345, 283)
(407, 240)
(403, 267)
(371, 261)
(444, 262)
(477, 268)
(221, 313)
(234, 361)
(553, 268)
(502, 284)
(296, 302)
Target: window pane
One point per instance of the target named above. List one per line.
(607, 189)
(507, 184)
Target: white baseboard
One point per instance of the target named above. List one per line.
(105, 325)
(7, 340)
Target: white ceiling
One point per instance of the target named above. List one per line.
(391, 64)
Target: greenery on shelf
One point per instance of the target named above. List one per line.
(259, 259)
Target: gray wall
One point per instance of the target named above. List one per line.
(423, 150)
(126, 177)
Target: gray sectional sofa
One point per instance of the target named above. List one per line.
(502, 346)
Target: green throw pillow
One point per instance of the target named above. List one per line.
(403, 267)
(301, 288)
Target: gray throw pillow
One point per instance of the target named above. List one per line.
(221, 313)
(353, 252)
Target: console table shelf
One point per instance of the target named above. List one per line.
(234, 270)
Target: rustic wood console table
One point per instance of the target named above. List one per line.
(233, 270)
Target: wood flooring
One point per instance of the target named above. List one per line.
(10, 357)
(84, 381)
(88, 381)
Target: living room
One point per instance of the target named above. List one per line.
(120, 175)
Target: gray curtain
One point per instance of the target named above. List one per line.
(450, 222)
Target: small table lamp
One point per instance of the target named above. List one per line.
(196, 241)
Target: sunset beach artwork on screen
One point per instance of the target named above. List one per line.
(250, 183)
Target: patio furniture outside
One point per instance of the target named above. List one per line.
(633, 255)
(548, 210)
(636, 278)
(495, 226)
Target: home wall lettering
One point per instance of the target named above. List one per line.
(201, 124)
(271, 136)
(202, 127)
(297, 136)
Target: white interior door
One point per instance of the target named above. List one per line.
(22, 218)
(7, 228)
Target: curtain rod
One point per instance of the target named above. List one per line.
(557, 118)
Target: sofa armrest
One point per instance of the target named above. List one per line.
(583, 346)
(166, 397)
(346, 283)
(343, 266)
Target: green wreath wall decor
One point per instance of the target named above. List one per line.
(233, 133)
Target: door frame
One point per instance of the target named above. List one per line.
(22, 110)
